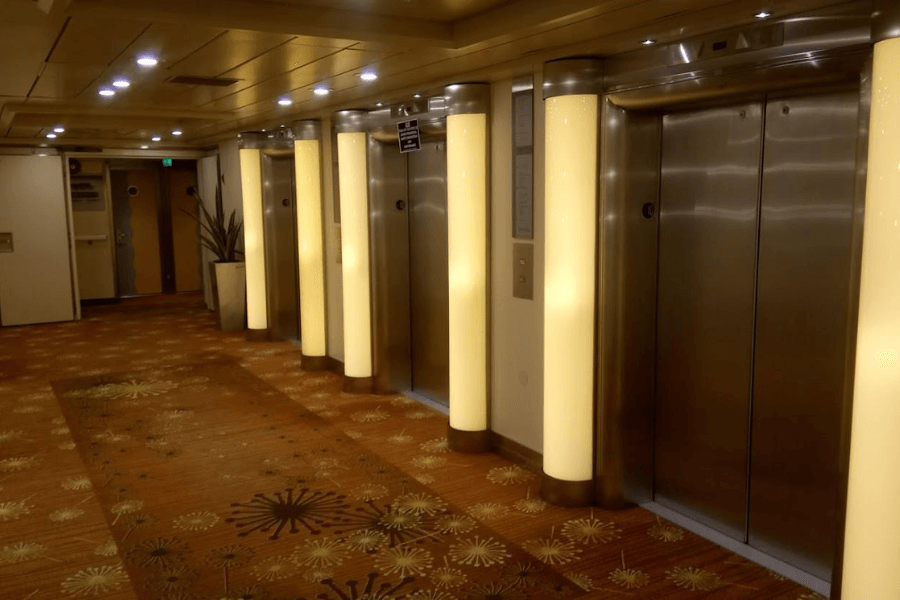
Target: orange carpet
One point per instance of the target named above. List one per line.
(143, 454)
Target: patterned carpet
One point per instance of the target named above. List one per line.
(146, 455)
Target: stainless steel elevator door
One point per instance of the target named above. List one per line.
(707, 274)
(281, 246)
(428, 271)
(801, 333)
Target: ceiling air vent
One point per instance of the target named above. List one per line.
(210, 81)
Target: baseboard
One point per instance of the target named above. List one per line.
(517, 453)
(100, 301)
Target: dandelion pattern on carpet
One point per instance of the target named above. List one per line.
(11, 511)
(448, 577)
(404, 561)
(17, 463)
(174, 579)
(552, 551)
(132, 389)
(629, 578)
(400, 438)
(437, 445)
(666, 533)
(399, 527)
(508, 475)
(317, 575)
(455, 524)
(590, 531)
(431, 595)
(488, 510)
(107, 548)
(424, 478)
(76, 484)
(367, 540)
(496, 590)
(530, 505)
(126, 506)
(160, 552)
(478, 552)
(229, 557)
(420, 414)
(369, 416)
(581, 580)
(368, 492)
(196, 521)
(312, 510)
(21, 552)
(8, 436)
(94, 581)
(61, 515)
(521, 574)
(692, 578)
(275, 568)
(320, 554)
(420, 504)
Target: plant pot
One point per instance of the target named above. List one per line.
(229, 289)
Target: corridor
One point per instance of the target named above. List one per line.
(145, 454)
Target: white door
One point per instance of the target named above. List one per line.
(92, 222)
(36, 276)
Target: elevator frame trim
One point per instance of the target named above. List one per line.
(824, 50)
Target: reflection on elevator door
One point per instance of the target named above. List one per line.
(754, 268)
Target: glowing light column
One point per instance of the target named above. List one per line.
(871, 548)
(571, 89)
(310, 251)
(254, 237)
(354, 194)
(467, 241)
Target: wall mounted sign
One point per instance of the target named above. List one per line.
(523, 158)
(408, 132)
(167, 162)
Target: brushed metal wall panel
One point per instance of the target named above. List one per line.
(429, 293)
(280, 224)
(389, 247)
(809, 177)
(707, 274)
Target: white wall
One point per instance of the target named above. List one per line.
(516, 325)
(36, 284)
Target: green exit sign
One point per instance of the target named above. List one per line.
(167, 162)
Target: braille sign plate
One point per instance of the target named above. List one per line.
(408, 132)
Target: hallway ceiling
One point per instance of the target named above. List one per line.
(55, 55)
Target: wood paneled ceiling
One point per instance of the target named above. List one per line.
(55, 56)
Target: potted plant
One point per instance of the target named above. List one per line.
(227, 273)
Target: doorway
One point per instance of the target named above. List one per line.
(754, 266)
(157, 244)
(408, 238)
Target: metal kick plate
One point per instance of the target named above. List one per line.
(523, 271)
(6, 241)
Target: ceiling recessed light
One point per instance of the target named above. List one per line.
(285, 101)
(155, 138)
(107, 92)
(52, 136)
(417, 95)
(648, 42)
(147, 61)
(379, 104)
(121, 83)
(177, 132)
(763, 14)
(59, 129)
(321, 91)
(368, 75)
(144, 147)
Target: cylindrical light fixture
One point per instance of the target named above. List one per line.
(254, 236)
(571, 89)
(467, 249)
(310, 251)
(872, 530)
(354, 193)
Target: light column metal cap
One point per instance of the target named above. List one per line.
(253, 140)
(885, 20)
(468, 98)
(307, 129)
(572, 76)
(351, 121)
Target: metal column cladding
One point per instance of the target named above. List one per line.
(310, 249)
(467, 241)
(571, 89)
(352, 176)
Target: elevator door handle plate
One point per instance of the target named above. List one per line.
(285, 202)
(400, 204)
